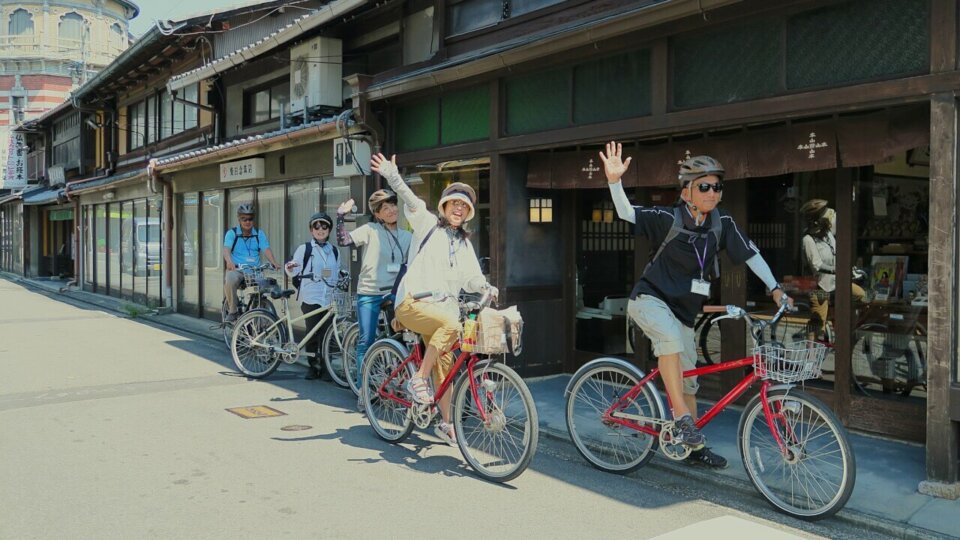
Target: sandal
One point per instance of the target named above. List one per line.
(446, 433)
(418, 388)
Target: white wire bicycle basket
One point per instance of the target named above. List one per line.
(793, 363)
(491, 338)
(252, 277)
(346, 303)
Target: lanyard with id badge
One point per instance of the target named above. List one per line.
(700, 286)
(394, 267)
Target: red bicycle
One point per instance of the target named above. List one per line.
(494, 416)
(793, 447)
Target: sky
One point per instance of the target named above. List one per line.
(151, 10)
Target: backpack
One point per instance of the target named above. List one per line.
(237, 237)
(716, 229)
(403, 266)
(307, 253)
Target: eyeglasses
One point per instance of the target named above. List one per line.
(321, 226)
(245, 219)
(459, 204)
(717, 188)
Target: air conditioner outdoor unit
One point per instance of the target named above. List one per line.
(316, 74)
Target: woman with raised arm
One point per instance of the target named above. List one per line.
(443, 263)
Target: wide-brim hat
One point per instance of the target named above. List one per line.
(459, 191)
(321, 216)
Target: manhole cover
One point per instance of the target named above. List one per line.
(256, 411)
(296, 427)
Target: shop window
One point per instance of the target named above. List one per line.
(263, 103)
(212, 217)
(100, 259)
(889, 357)
(189, 290)
(726, 65)
(128, 235)
(465, 115)
(271, 219)
(857, 41)
(145, 249)
(113, 248)
(89, 252)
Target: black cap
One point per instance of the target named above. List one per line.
(321, 216)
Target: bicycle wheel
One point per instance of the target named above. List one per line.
(708, 340)
(816, 476)
(607, 446)
(253, 337)
(332, 348)
(351, 370)
(500, 448)
(389, 419)
(227, 327)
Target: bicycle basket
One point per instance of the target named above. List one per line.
(796, 362)
(252, 276)
(492, 332)
(346, 304)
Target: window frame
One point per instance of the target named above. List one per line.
(270, 86)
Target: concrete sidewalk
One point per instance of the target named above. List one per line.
(888, 472)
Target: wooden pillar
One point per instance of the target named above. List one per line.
(942, 433)
(843, 308)
(568, 224)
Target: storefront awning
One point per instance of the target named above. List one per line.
(44, 195)
(112, 180)
(852, 141)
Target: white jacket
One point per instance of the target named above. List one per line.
(445, 264)
(822, 257)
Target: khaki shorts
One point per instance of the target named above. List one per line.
(667, 334)
(437, 325)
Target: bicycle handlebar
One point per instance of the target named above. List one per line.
(737, 312)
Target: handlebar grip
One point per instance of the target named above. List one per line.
(714, 309)
(421, 296)
(306, 276)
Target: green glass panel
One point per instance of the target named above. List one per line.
(418, 125)
(538, 101)
(465, 115)
(728, 65)
(611, 88)
(858, 41)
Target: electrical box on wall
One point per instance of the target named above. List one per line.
(316, 73)
(351, 157)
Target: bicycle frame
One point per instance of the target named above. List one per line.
(331, 313)
(730, 397)
(416, 356)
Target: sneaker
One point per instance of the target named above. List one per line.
(446, 434)
(706, 458)
(688, 434)
(361, 406)
(231, 317)
(419, 390)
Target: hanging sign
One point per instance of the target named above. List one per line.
(245, 169)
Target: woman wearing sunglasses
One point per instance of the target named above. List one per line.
(674, 286)
(317, 291)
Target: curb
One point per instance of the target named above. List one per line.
(848, 515)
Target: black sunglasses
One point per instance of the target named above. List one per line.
(320, 225)
(246, 219)
(717, 188)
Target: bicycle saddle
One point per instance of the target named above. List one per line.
(277, 294)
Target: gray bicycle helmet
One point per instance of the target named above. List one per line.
(698, 167)
(377, 198)
(246, 208)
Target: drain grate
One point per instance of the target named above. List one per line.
(256, 411)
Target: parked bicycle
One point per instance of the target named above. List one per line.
(494, 416)
(261, 339)
(793, 447)
(351, 371)
(253, 295)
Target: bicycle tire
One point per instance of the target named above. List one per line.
(333, 358)
(351, 366)
(256, 361)
(389, 419)
(708, 340)
(593, 391)
(500, 448)
(811, 448)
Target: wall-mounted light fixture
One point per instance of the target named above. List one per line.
(109, 195)
(541, 210)
(602, 213)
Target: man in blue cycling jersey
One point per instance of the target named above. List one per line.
(242, 245)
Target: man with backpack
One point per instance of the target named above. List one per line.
(675, 284)
(242, 245)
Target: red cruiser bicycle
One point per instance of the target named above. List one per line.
(494, 416)
(793, 448)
